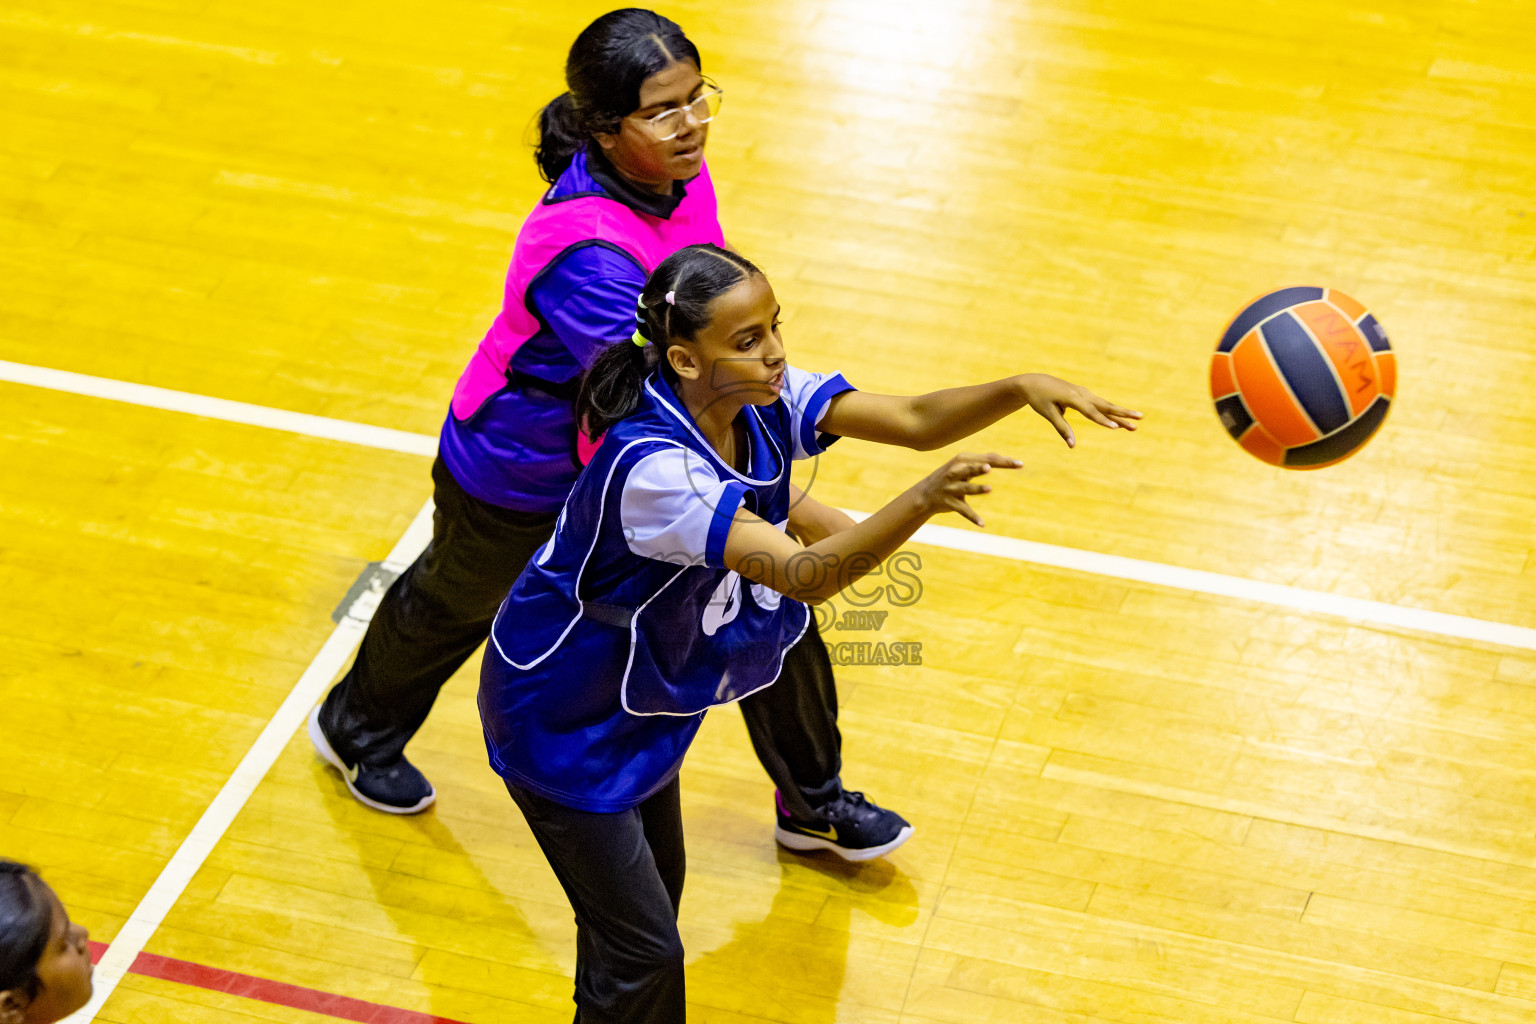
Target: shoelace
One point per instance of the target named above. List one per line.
(851, 798)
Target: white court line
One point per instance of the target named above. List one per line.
(1312, 601)
(220, 409)
(253, 767)
(1156, 573)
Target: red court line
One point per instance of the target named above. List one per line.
(278, 993)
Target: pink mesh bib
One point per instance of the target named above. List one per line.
(552, 229)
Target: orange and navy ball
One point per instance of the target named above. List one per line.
(1303, 377)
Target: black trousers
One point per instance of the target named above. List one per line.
(623, 874)
(440, 609)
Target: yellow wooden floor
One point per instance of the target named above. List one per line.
(1133, 804)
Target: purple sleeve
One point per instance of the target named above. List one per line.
(588, 299)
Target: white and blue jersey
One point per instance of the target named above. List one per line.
(626, 625)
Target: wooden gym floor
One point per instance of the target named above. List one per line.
(1134, 802)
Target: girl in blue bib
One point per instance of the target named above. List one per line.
(670, 586)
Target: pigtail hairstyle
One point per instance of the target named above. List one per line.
(26, 918)
(607, 64)
(673, 306)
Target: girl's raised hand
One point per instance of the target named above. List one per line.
(1051, 397)
(946, 488)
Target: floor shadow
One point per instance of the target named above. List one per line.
(468, 899)
(787, 968)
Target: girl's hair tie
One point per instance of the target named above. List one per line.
(671, 298)
(640, 339)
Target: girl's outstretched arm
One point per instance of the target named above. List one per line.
(811, 521)
(764, 554)
(939, 418)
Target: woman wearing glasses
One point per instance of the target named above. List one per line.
(623, 151)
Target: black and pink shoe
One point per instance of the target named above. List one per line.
(851, 826)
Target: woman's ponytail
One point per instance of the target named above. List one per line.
(560, 137)
(673, 306)
(610, 391)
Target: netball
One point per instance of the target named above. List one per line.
(1303, 377)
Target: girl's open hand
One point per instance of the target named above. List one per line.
(1051, 397)
(946, 488)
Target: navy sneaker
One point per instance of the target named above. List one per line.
(399, 788)
(852, 827)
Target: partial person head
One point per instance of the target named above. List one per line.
(708, 320)
(45, 959)
(635, 88)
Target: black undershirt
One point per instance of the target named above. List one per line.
(627, 192)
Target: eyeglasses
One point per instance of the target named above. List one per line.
(668, 124)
